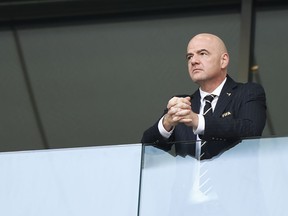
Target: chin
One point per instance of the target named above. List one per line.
(196, 78)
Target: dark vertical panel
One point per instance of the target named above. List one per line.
(246, 35)
(18, 128)
(30, 89)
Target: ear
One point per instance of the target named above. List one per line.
(224, 60)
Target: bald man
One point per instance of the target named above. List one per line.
(236, 111)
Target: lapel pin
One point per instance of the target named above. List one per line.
(226, 114)
(228, 93)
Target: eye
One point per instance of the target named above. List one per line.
(203, 53)
(188, 57)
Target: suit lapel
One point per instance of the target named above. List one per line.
(225, 97)
(196, 101)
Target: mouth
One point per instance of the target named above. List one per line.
(196, 70)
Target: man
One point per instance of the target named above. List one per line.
(239, 110)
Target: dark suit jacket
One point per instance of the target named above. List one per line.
(239, 113)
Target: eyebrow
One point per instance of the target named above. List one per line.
(201, 50)
(198, 51)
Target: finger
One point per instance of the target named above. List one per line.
(172, 102)
(180, 106)
(176, 101)
(187, 122)
(182, 112)
(176, 119)
(187, 100)
(173, 119)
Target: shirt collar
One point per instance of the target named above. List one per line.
(216, 92)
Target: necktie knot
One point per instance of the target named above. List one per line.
(209, 98)
(208, 107)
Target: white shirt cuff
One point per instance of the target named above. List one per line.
(162, 130)
(201, 125)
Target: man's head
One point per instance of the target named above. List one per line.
(207, 61)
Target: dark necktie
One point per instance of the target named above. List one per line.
(208, 106)
(206, 112)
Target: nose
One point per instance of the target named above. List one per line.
(194, 60)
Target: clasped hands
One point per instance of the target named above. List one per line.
(179, 111)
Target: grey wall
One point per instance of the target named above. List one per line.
(102, 82)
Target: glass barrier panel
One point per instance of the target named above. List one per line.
(71, 182)
(245, 179)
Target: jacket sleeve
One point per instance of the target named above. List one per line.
(152, 136)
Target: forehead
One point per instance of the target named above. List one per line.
(202, 43)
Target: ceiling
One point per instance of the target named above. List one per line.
(31, 10)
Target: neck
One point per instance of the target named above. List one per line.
(210, 85)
